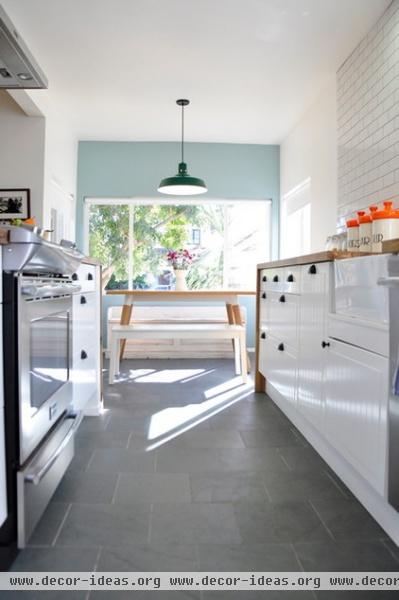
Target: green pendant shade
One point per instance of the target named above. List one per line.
(182, 184)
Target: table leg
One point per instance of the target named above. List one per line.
(125, 320)
(237, 316)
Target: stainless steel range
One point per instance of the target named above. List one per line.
(37, 314)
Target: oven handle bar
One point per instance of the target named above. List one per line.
(35, 477)
(49, 290)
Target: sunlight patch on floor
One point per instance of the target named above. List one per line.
(173, 422)
(168, 375)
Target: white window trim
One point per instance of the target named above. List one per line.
(89, 201)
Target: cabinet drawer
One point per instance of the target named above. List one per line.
(283, 317)
(84, 373)
(292, 280)
(278, 364)
(86, 277)
(85, 326)
(273, 279)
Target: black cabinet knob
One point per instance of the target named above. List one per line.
(83, 300)
(275, 278)
(325, 344)
(280, 347)
(264, 295)
(282, 298)
(90, 277)
(75, 276)
(83, 354)
(290, 278)
(312, 270)
(264, 278)
(263, 336)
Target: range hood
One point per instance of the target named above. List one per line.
(18, 68)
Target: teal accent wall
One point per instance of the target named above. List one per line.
(134, 169)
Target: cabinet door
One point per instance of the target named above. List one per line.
(86, 351)
(314, 307)
(356, 396)
(279, 366)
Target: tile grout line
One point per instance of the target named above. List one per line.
(322, 521)
(128, 440)
(116, 488)
(156, 462)
(68, 510)
(284, 460)
(150, 524)
(90, 460)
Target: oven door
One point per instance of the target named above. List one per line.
(44, 341)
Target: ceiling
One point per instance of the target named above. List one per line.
(250, 67)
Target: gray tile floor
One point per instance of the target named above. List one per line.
(190, 470)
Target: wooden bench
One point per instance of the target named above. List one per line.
(236, 333)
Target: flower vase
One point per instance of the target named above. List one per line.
(180, 283)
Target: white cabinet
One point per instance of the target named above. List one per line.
(356, 392)
(314, 308)
(86, 341)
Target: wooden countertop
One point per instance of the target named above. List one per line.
(317, 257)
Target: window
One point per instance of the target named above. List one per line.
(295, 221)
(132, 238)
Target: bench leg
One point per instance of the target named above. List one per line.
(243, 356)
(114, 359)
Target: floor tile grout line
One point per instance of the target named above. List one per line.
(282, 457)
(156, 462)
(90, 460)
(322, 520)
(68, 510)
(97, 561)
(296, 556)
(116, 488)
(150, 523)
(128, 440)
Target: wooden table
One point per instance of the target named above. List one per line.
(228, 297)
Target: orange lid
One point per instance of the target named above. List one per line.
(384, 213)
(395, 214)
(352, 223)
(363, 218)
(373, 209)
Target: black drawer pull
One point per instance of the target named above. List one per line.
(264, 295)
(90, 277)
(312, 270)
(264, 278)
(275, 278)
(282, 298)
(83, 355)
(75, 276)
(83, 300)
(263, 336)
(325, 344)
(290, 278)
(280, 347)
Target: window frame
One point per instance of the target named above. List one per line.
(131, 202)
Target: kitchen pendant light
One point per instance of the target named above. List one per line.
(182, 184)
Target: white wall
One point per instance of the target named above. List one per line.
(22, 140)
(368, 119)
(310, 151)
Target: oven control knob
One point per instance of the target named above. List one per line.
(83, 354)
(75, 276)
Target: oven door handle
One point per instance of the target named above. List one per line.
(36, 476)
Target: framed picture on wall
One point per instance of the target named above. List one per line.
(14, 204)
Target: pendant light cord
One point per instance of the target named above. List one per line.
(182, 133)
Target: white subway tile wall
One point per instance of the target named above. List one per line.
(368, 119)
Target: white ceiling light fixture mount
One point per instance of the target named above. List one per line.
(182, 184)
